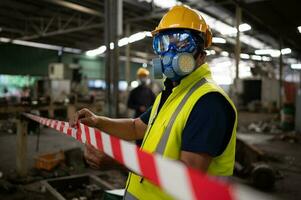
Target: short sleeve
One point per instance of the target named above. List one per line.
(146, 115)
(209, 125)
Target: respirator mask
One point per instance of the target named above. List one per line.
(175, 49)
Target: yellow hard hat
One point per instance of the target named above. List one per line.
(142, 72)
(185, 17)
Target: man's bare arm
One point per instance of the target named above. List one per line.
(127, 129)
(200, 161)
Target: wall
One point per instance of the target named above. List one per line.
(22, 60)
(270, 91)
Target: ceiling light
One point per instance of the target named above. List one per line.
(165, 3)
(272, 52)
(212, 52)
(137, 36)
(40, 45)
(296, 66)
(218, 40)
(244, 27)
(112, 45)
(255, 57)
(286, 51)
(299, 29)
(134, 84)
(123, 41)
(266, 58)
(97, 51)
(225, 53)
(244, 56)
(5, 40)
(148, 34)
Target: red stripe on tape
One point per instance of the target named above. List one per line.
(148, 167)
(62, 126)
(98, 139)
(79, 134)
(117, 149)
(69, 131)
(205, 188)
(87, 132)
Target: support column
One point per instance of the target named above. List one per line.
(108, 67)
(128, 57)
(21, 140)
(117, 30)
(280, 75)
(237, 46)
(113, 31)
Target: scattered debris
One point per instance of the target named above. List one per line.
(272, 126)
(288, 137)
(79, 187)
(49, 161)
(252, 164)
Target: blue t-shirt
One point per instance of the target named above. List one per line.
(209, 125)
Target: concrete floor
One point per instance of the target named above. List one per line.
(50, 141)
(286, 159)
(289, 155)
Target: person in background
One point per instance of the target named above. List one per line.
(141, 97)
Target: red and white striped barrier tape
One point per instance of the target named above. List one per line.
(172, 176)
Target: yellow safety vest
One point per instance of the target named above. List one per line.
(164, 132)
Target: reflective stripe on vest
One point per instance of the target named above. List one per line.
(163, 141)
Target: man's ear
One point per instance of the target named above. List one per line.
(201, 57)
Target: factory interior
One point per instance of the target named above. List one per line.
(58, 57)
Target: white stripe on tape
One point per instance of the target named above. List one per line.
(106, 142)
(92, 137)
(58, 126)
(66, 126)
(83, 133)
(52, 124)
(173, 179)
(130, 156)
(73, 132)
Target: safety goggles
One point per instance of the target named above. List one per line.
(181, 41)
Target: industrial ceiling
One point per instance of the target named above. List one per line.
(80, 24)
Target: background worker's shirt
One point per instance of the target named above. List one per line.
(209, 125)
(140, 96)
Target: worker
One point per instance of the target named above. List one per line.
(141, 97)
(191, 120)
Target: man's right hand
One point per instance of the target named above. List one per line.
(84, 116)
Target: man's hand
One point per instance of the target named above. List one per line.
(84, 116)
(97, 159)
(93, 156)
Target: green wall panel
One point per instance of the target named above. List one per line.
(22, 60)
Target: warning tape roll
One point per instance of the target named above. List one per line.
(172, 176)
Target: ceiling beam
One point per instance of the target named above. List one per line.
(60, 32)
(76, 7)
